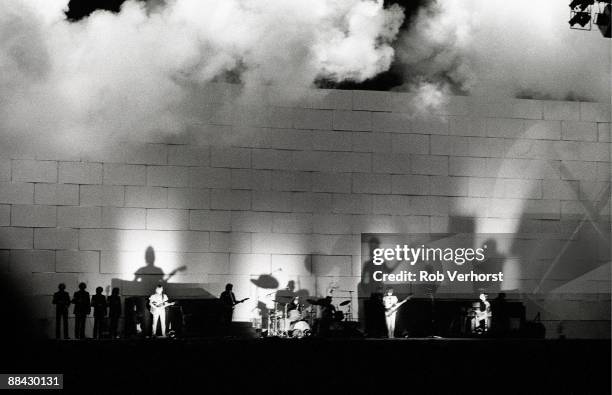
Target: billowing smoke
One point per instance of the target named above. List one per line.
(518, 48)
(125, 74)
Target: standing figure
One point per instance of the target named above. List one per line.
(390, 302)
(98, 302)
(158, 302)
(61, 300)
(228, 301)
(481, 322)
(82, 308)
(114, 312)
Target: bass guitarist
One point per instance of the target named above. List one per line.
(391, 306)
(158, 302)
(228, 301)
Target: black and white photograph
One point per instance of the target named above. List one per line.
(306, 196)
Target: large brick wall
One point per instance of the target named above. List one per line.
(287, 190)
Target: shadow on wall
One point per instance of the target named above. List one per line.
(147, 277)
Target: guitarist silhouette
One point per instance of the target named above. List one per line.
(228, 301)
(390, 302)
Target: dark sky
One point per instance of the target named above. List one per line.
(78, 9)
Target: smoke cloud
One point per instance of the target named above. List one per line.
(113, 75)
(516, 48)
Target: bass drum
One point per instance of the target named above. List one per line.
(300, 330)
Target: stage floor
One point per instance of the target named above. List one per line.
(315, 365)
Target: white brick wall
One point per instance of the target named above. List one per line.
(292, 186)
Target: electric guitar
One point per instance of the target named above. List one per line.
(240, 301)
(160, 306)
(396, 306)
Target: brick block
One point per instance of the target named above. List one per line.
(477, 167)
(484, 106)
(328, 140)
(352, 204)
(336, 244)
(410, 185)
(5, 215)
(328, 99)
(391, 122)
(205, 177)
(523, 189)
(313, 119)
(291, 180)
(324, 265)
(16, 238)
(187, 155)
(56, 194)
(374, 101)
(292, 223)
(188, 198)
(272, 159)
(434, 125)
(485, 187)
(168, 176)
(230, 242)
(605, 136)
(332, 161)
(391, 163)
(448, 186)
(410, 143)
(226, 199)
(371, 142)
(80, 173)
(249, 264)
(330, 182)
(580, 131)
(333, 223)
(492, 147)
(251, 179)
(292, 265)
(595, 112)
(371, 183)
(117, 174)
(101, 195)
(271, 201)
(527, 109)
(34, 216)
(167, 219)
(216, 220)
(281, 138)
(562, 111)
(123, 218)
(508, 128)
(77, 261)
(467, 126)
(305, 202)
(248, 221)
(107, 153)
(561, 189)
(5, 169)
(79, 217)
(146, 154)
(278, 243)
(579, 170)
(595, 152)
(352, 120)
(543, 130)
(147, 197)
(231, 157)
(56, 239)
(431, 165)
(17, 193)
(449, 145)
(34, 171)
(392, 204)
(31, 261)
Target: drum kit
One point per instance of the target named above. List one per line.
(299, 320)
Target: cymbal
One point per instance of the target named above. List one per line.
(345, 303)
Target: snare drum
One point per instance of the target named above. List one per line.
(301, 329)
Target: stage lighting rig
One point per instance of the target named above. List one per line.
(582, 15)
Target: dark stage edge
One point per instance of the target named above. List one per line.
(315, 365)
